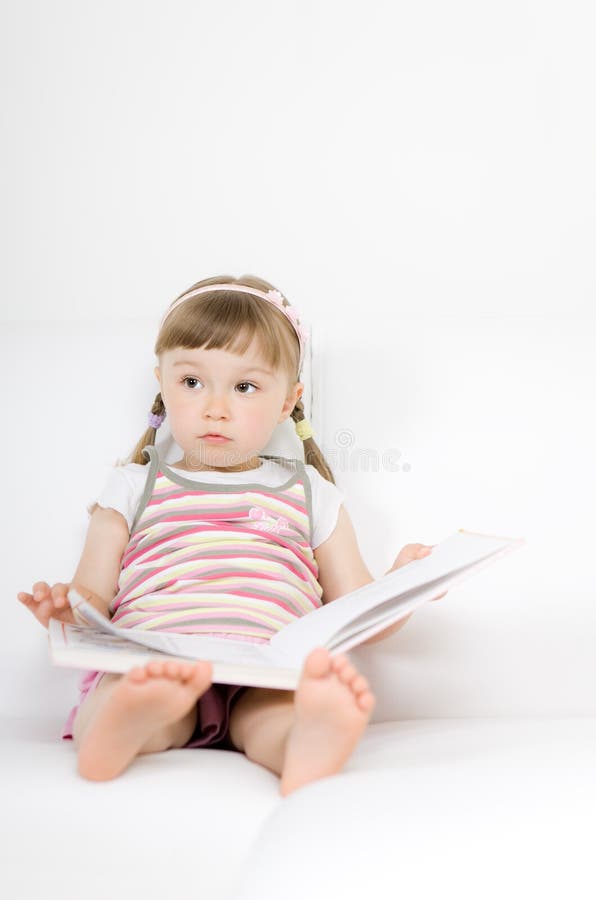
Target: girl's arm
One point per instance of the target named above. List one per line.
(96, 577)
(99, 566)
(341, 567)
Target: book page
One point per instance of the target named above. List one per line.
(72, 638)
(84, 647)
(457, 556)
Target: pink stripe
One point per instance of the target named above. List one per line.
(222, 614)
(201, 573)
(203, 597)
(275, 538)
(197, 624)
(121, 597)
(186, 575)
(156, 570)
(181, 517)
(214, 587)
(156, 499)
(208, 601)
(169, 537)
(171, 602)
(180, 490)
(205, 629)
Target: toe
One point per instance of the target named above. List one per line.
(318, 663)
(339, 661)
(202, 671)
(155, 668)
(138, 674)
(360, 684)
(346, 673)
(172, 669)
(366, 701)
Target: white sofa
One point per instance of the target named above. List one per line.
(476, 776)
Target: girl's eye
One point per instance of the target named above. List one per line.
(187, 381)
(249, 385)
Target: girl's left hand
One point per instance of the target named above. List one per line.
(411, 552)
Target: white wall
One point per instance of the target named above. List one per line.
(419, 180)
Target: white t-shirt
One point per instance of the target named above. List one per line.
(125, 484)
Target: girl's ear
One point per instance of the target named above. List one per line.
(291, 400)
(158, 374)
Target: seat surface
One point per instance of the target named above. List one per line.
(421, 804)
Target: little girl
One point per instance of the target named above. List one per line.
(227, 542)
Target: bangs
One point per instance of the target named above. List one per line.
(230, 320)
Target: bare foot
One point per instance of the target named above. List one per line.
(146, 699)
(332, 707)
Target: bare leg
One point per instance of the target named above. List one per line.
(151, 708)
(309, 734)
(260, 723)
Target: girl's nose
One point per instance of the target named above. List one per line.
(217, 406)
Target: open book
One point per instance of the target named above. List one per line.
(340, 625)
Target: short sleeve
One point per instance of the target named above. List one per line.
(326, 501)
(122, 491)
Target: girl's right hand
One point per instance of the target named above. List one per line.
(48, 603)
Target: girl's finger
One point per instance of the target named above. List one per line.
(41, 586)
(40, 590)
(45, 609)
(58, 593)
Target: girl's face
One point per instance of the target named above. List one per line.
(218, 392)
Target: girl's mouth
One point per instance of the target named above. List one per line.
(214, 438)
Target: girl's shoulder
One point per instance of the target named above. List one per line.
(130, 471)
(129, 476)
(321, 487)
(121, 490)
(321, 484)
(326, 501)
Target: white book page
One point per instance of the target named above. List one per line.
(457, 556)
(84, 647)
(357, 632)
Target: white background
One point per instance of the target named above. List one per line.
(419, 179)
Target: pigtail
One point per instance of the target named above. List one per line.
(312, 452)
(137, 455)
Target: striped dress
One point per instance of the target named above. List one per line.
(231, 561)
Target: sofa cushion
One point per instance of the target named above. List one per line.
(487, 807)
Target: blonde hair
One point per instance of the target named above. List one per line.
(230, 320)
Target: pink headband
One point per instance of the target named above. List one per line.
(272, 296)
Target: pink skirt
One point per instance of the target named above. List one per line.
(213, 712)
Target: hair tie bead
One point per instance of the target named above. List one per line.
(304, 429)
(155, 420)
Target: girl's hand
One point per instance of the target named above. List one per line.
(48, 603)
(411, 552)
